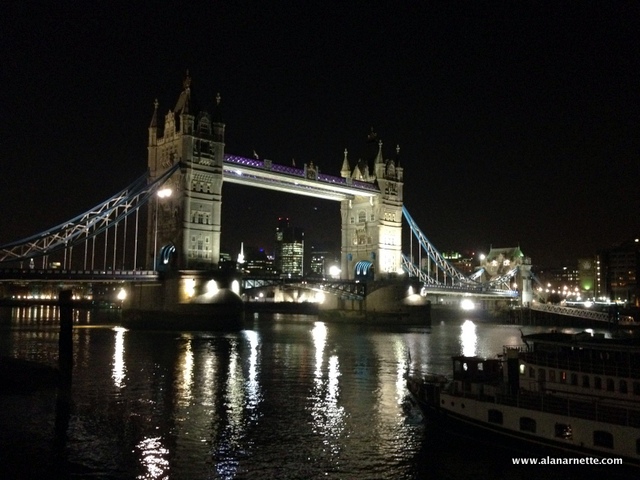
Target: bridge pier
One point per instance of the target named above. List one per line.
(186, 299)
(392, 301)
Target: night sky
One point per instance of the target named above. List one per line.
(518, 122)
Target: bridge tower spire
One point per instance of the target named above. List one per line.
(372, 226)
(188, 221)
(345, 171)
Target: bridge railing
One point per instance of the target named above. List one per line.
(80, 275)
(571, 311)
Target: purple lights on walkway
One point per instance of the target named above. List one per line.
(295, 172)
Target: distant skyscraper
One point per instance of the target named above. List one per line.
(289, 251)
(617, 272)
(257, 262)
(317, 264)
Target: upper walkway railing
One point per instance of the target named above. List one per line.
(268, 165)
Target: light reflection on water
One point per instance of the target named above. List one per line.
(468, 338)
(185, 371)
(153, 456)
(283, 399)
(119, 370)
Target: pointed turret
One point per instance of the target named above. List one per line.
(379, 158)
(183, 107)
(399, 169)
(153, 126)
(218, 122)
(345, 171)
(378, 163)
(371, 148)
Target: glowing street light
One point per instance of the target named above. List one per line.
(162, 193)
(334, 271)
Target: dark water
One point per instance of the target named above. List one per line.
(288, 397)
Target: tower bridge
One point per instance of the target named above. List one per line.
(182, 229)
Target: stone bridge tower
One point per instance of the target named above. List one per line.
(183, 229)
(372, 226)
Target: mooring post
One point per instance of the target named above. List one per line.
(65, 343)
(65, 365)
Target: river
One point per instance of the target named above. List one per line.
(288, 397)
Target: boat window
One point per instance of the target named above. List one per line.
(564, 431)
(585, 381)
(495, 416)
(597, 383)
(563, 377)
(602, 439)
(480, 367)
(574, 379)
(527, 424)
(457, 366)
(532, 372)
(636, 388)
(522, 368)
(610, 385)
(552, 375)
(623, 386)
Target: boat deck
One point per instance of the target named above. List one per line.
(589, 410)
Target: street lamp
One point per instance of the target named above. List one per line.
(163, 193)
(334, 271)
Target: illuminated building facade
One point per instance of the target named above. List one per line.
(289, 249)
(321, 258)
(618, 272)
(372, 226)
(317, 264)
(587, 277)
(183, 228)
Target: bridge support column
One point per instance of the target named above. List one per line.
(188, 299)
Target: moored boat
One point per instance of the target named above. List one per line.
(577, 393)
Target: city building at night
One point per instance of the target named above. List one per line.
(462, 262)
(617, 272)
(562, 281)
(587, 277)
(257, 262)
(317, 264)
(321, 257)
(289, 249)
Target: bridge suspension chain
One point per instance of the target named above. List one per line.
(441, 264)
(87, 225)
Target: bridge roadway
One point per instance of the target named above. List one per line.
(80, 276)
(355, 290)
(346, 289)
